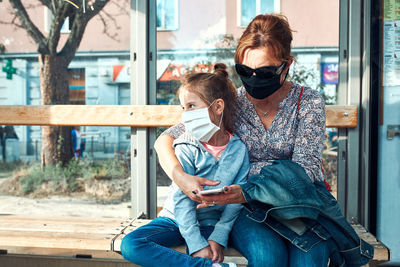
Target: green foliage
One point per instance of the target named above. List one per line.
(60, 141)
(69, 174)
(305, 77)
(36, 176)
(10, 166)
(109, 169)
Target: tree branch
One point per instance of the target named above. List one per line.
(105, 25)
(27, 23)
(13, 22)
(78, 28)
(61, 13)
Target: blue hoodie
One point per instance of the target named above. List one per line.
(232, 168)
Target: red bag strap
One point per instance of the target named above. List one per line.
(301, 93)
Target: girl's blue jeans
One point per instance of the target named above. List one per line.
(150, 245)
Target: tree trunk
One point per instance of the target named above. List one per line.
(57, 140)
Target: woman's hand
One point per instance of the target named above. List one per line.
(231, 194)
(217, 251)
(204, 253)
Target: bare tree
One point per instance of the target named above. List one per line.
(56, 141)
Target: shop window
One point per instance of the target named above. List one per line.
(76, 83)
(248, 9)
(167, 15)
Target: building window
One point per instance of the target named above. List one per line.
(248, 9)
(167, 15)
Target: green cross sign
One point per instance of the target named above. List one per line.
(9, 69)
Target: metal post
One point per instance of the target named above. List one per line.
(365, 120)
(139, 58)
(342, 100)
(36, 150)
(152, 101)
(342, 168)
(353, 93)
(91, 146)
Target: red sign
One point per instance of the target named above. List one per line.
(175, 72)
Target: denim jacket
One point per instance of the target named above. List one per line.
(305, 213)
(232, 168)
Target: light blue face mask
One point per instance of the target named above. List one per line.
(198, 123)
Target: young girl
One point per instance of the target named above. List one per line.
(207, 149)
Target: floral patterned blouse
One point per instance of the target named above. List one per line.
(297, 131)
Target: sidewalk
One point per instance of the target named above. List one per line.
(70, 207)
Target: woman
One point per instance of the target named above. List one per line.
(277, 120)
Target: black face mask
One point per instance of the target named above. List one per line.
(261, 88)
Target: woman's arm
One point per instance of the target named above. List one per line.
(170, 164)
(166, 155)
(310, 134)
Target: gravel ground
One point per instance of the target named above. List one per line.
(68, 206)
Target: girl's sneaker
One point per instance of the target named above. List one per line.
(222, 264)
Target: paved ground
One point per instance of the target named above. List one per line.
(67, 206)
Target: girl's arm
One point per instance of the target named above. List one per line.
(170, 164)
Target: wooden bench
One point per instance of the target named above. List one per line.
(95, 242)
(75, 241)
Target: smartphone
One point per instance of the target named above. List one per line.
(211, 191)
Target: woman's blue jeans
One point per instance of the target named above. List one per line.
(264, 247)
(149, 245)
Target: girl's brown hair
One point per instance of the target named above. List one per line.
(212, 86)
(269, 30)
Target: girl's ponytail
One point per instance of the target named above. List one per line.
(221, 70)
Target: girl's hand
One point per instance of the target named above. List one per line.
(204, 253)
(231, 194)
(190, 185)
(217, 251)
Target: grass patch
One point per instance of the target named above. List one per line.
(65, 178)
(8, 168)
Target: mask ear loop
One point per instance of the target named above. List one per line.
(285, 77)
(220, 121)
(222, 115)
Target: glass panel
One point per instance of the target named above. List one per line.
(95, 183)
(213, 35)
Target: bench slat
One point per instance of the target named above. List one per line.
(133, 116)
(34, 241)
